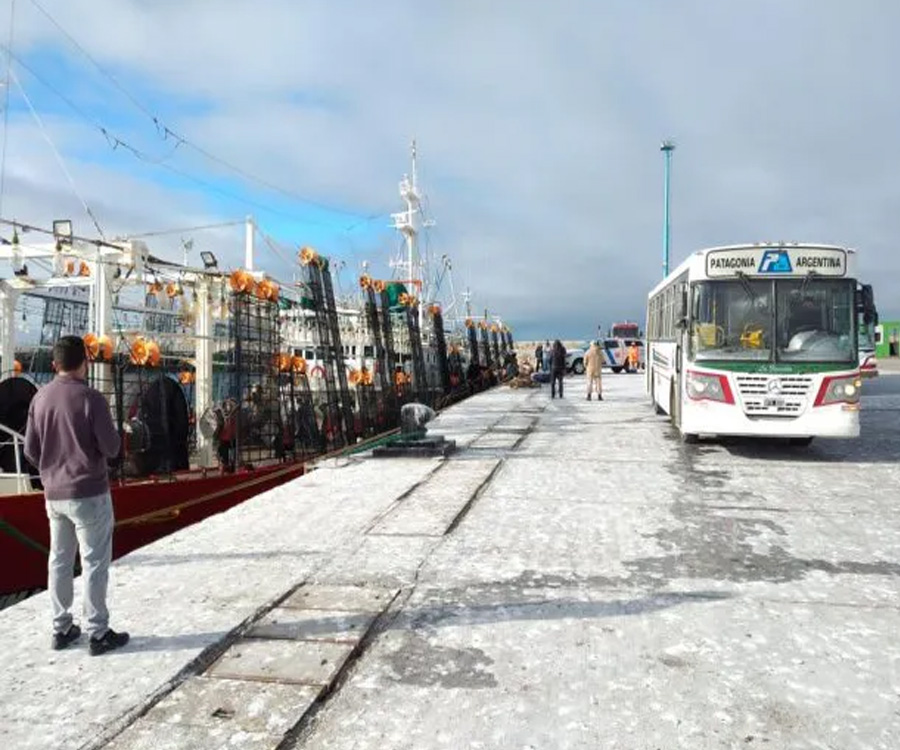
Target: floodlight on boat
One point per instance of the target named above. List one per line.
(209, 259)
(62, 231)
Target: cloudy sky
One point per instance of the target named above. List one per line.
(538, 127)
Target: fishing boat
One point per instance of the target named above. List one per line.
(222, 383)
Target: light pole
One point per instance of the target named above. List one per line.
(667, 148)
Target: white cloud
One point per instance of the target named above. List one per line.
(538, 127)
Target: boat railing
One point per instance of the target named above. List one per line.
(16, 440)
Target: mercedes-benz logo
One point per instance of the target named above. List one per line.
(774, 387)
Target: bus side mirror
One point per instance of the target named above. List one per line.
(867, 305)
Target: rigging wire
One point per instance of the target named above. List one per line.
(273, 246)
(184, 230)
(166, 132)
(115, 143)
(12, 18)
(59, 159)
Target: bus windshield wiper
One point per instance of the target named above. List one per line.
(806, 280)
(746, 286)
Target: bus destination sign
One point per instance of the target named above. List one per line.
(776, 261)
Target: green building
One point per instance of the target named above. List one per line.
(887, 339)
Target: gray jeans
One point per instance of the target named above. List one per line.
(86, 523)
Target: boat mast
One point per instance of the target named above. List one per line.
(409, 223)
(249, 232)
(8, 297)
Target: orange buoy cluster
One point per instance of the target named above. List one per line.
(267, 290)
(360, 377)
(308, 256)
(76, 268)
(99, 348)
(145, 353)
(290, 363)
(242, 282)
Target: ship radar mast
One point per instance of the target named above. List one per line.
(409, 223)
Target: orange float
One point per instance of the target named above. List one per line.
(267, 290)
(242, 282)
(145, 353)
(308, 255)
(283, 362)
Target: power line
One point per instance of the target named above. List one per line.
(166, 132)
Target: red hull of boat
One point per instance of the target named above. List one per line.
(145, 511)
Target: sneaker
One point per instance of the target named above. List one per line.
(599, 397)
(61, 640)
(110, 641)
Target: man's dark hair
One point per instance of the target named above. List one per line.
(68, 353)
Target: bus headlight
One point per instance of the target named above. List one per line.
(840, 390)
(709, 387)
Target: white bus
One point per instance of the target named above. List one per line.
(759, 340)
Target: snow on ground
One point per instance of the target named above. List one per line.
(606, 587)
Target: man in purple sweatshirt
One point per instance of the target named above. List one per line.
(70, 436)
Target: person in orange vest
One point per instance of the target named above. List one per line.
(633, 357)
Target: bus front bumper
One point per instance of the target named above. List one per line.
(712, 418)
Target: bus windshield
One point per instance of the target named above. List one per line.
(815, 320)
(732, 320)
(812, 320)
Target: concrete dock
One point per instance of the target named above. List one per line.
(573, 577)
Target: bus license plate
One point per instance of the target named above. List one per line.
(774, 402)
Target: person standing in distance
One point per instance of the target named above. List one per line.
(69, 437)
(558, 368)
(593, 370)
